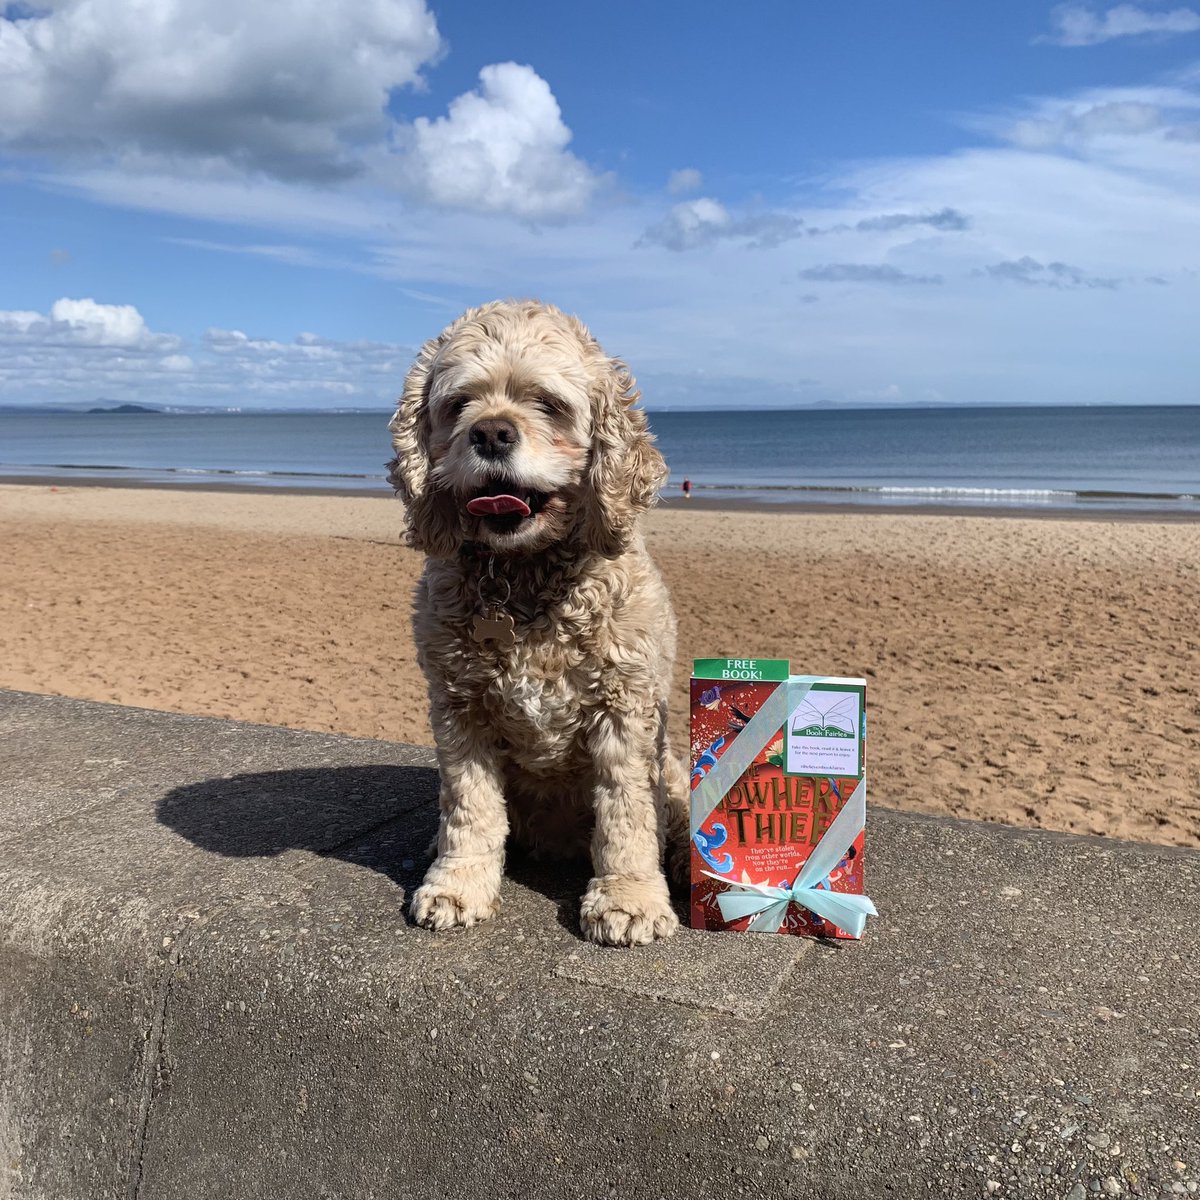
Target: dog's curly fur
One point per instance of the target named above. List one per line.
(558, 740)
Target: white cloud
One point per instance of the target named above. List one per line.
(1077, 25)
(502, 148)
(19, 323)
(688, 179)
(1081, 123)
(81, 323)
(307, 368)
(254, 201)
(703, 221)
(690, 224)
(235, 85)
(186, 102)
(81, 351)
(1141, 133)
(102, 324)
(1112, 193)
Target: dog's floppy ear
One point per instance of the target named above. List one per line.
(626, 470)
(432, 521)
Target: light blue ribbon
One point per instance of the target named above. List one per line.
(768, 905)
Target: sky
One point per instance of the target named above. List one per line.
(786, 203)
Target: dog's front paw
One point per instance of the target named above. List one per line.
(448, 899)
(618, 911)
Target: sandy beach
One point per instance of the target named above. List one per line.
(1030, 671)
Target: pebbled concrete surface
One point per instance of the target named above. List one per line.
(208, 988)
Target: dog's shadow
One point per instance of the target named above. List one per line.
(383, 818)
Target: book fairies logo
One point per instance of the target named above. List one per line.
(824, 731)
(829, 714)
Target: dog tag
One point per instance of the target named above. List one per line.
(498, 627)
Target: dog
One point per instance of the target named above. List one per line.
(544, 630)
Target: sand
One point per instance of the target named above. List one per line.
(1034, 672)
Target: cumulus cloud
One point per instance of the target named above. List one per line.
(683, 181)
(864, 273)
(81, 350)
(501, 148)
(84, 323)
(1077, 25)
(215, 80)
(1058, 275)
(693, 223)
(217, 92)
(703, 221)
(307, 367)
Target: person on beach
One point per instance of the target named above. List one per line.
(687, 489)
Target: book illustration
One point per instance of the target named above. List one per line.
(774, 753)
(706, 843)
(722, 712)
(826, 714)
(738, 720)
(707, 760)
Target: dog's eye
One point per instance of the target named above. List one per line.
(455, 406)
(550, 403)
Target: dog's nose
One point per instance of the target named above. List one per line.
(494, 438)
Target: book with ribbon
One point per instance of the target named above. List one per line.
(778, 801)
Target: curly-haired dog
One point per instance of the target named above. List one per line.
(544, 630)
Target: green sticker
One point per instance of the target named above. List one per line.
(749, 670)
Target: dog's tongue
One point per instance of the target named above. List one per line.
(497, 506)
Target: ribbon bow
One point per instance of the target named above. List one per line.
(769, 904)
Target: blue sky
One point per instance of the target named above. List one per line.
(205, 202)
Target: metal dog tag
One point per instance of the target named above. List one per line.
(498, 627)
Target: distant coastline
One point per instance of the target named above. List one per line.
(100, 405)
(125, 408)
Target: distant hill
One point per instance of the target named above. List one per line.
(126, 408)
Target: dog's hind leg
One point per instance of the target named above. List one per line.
(671, 797)
(673, 814)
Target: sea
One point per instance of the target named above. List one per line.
(1122, 459)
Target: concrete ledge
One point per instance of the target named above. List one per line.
(208, 988)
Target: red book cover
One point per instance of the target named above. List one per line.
(803, 766)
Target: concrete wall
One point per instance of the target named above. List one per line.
(208, 988)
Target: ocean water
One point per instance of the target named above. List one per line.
(1127, 458)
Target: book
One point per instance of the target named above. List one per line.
(778, 779)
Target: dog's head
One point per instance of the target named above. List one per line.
(516, 431)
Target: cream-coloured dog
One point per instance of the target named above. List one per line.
(544, 629)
